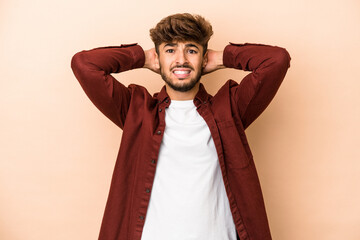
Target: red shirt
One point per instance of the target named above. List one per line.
(142, 117)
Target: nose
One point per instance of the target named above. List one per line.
(181, 57)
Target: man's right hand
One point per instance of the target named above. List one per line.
(151, 60)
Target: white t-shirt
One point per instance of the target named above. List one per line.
(188, 199)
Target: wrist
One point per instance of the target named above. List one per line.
(216, 60)
(219, 59)
(147, 59)
(151, 60)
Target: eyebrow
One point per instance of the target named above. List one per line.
(170, 45)
(192, 45)
(187, 45)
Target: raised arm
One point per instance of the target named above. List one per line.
(268, 66)
(93, 70)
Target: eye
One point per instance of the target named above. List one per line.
(169, 50)
(192, 51)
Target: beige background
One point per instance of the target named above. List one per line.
(57, 150)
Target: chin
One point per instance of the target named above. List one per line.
(184, 87)
(181, 85)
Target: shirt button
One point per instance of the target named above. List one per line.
(167, 100)
(158, 132)
(153, 161)
(142, 217)
(160, 110)
(147, 190)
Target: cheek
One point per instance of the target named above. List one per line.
(200, 64)
(164, 64)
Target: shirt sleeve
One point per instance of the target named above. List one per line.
(268, 66)
(93, 70)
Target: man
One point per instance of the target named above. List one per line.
(184, 169)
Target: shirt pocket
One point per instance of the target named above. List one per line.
(236, 149)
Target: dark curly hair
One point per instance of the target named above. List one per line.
(182, 27)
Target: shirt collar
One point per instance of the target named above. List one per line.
(201, 97)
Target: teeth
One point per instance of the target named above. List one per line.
(181, 72)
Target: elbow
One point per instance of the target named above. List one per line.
(80, 65)
(76, 61)
(279, 64)
(283, 58)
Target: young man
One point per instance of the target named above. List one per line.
(184, 169)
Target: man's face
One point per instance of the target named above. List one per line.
(181, 64)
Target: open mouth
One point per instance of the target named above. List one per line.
(182, 73)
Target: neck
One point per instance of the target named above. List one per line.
(177, 95)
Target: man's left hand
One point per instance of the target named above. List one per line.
(214, 61)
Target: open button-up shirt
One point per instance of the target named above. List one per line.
(141, 116)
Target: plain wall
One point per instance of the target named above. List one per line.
(57, 151)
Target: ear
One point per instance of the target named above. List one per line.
(205, 59)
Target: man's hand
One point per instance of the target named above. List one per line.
(150, 60)
(214, 61)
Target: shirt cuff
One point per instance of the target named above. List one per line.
(137, 52)
(230, 53)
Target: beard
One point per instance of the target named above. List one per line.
(181, 87)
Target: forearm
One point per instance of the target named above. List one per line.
(257, 58)
(106, 60)
(93, 70)
(268, 65)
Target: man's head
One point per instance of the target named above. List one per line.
(181, 42)
(182, 27)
